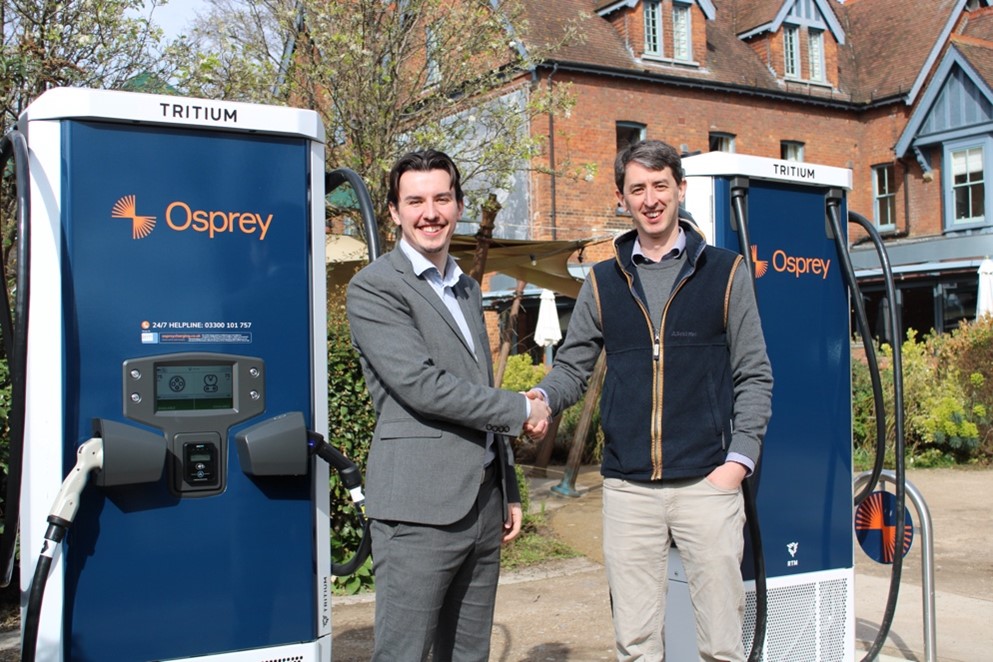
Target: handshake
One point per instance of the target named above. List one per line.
(536, 427)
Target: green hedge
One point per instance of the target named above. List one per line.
(351, 421)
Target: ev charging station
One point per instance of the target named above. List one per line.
(177, 310)
(803, 485)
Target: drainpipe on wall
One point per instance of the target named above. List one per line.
(906, 198)
(551, 154)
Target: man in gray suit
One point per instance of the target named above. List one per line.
(440, 485)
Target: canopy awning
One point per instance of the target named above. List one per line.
(542, 263)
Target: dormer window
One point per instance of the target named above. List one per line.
(653, 28)
(666, 20)
(791, 51)
(682, 49)
(815, 53)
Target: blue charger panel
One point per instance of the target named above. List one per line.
(181, 240)
(804, 483)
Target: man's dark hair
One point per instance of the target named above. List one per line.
(652, 154)
(423, 161)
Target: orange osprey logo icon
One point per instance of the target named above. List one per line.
(761, 266)
(141, 226)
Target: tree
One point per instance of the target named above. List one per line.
(71, 43)
(386, 78)
(53, 43)
(78, 43)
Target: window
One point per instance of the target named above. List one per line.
(791, 150)
(791, 49)
(883, 197)
(629, 133)
(653, 28)
(681, 46)
(431, 50)
(721, 142)
(968, 188)
(815, 51)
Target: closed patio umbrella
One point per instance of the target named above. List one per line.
(984, 298)
(547, 332)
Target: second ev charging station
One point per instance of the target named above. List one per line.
(178, 298)
(803, 485)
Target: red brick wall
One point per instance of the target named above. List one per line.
(682, 116)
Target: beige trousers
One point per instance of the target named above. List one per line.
(640, 522)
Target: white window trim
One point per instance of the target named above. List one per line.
(433, 70)
(791, 51)
(653, 11)
(729, 137)
(985, 144)
(686, 12)
(642, 129)
(796, 145)
(815, 53)
(877, 197)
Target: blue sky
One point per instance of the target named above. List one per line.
(176, 15)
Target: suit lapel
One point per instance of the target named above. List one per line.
(424, 289)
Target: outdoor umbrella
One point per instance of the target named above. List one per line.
(547, 332)
(984, 298)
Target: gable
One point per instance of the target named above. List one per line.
(607, 8)
(808, 13)
(961, 103)
(957, 102)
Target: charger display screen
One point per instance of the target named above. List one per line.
(193, 387)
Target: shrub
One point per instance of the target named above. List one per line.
(966, 355)
(521, 373)
(351, 422)
(943, 411)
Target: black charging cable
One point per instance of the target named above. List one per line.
(739, 190)
(351, 478)
(15, 345)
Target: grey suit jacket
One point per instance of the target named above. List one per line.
(434, 399)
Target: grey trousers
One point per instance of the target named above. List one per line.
(436, 585)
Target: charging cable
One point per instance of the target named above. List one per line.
(351, 478)
(89, 459)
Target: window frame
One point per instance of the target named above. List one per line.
(721, 136)
(682, 39)
(788, 145)
(652, 10)
(815, 55)
(985, 146)
(880, 198)
(620, 125)
(432, 68)
(791, 52)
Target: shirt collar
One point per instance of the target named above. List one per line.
(425, 269)
(676, 250)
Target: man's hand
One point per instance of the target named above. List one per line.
(513, 524)
(728, 476)
(537, 424)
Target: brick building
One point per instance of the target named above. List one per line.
(899, 91)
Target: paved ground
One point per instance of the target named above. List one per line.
(559, 612)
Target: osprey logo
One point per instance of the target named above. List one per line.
(179, 216)
(797, 266)
(761, 266)
(141, 226)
